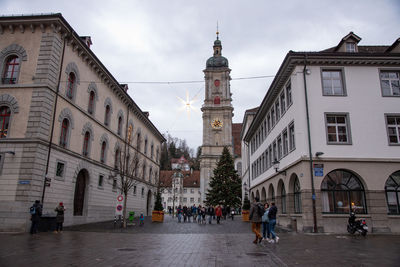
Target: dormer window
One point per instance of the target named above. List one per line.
(351, 47)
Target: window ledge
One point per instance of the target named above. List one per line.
(296, 215)
(59, 178)
(283, 215)
(394, 216)
(339, 215)
(100, 187)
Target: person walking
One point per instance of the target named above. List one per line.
(59, 217)
(179, 212)
(184, 213)
(194, 212)
(218, 213)
(232, 213)
(189, 213)
(265, 223)
(256, 212)
(210, 212)
(203, 215)
(273, 210)
(36, 212)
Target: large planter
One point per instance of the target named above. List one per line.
(157, 216)
(245, 215)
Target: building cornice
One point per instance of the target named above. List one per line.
(59, 25)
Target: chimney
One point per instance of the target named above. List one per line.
(87, 40)
(124, 86)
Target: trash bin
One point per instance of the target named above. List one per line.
(47, 223)
(131, 216)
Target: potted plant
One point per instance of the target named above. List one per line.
(246, 209)
(158, 213)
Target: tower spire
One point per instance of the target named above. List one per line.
(217, 31)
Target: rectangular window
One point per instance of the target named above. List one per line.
(270, 156)
(266, 159)
(199, 200)
(268, 122)
(60, 169)
(142, 192)
(272, 117)
(332, 82)
(390, 83)
(114, 185)
(277, 110)
(185, 190)
(283, 102)
(192, 200)
(184, 200)
(285, 142)
(288, 94)
(279, 143)
(292, 143)
(134, 189)
(337, 129)
(274, 154)
(192, 191)
(393, 129)
(101, 178)
(350, 47)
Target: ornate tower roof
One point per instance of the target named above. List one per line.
(217, 60)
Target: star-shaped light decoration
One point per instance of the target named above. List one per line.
(188, 103)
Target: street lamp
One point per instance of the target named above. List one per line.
(276, 167)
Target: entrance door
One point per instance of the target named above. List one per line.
(79, 197)
(148, 207)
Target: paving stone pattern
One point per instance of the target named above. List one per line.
(161, 244)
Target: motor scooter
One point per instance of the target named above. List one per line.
(354, 225)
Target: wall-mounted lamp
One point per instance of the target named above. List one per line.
(317, 154)
(276, 167)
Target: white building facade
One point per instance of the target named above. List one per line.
(330, 124)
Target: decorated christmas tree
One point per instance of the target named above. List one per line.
(225, 185)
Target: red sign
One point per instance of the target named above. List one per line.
(120, 198)
(119, 207)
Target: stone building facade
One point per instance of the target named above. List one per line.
(64, 117)
(325, 139)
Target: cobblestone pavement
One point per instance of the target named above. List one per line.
(189, 244)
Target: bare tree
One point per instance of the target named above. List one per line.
(126, 174)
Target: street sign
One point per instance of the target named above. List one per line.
(24, 182)
(120, 198)
(48, 179)
(318, 169)
(47, 184)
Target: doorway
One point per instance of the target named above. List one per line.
(80, 189)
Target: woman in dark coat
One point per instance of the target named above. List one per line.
(60, 217)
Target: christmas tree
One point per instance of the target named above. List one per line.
(225, 185)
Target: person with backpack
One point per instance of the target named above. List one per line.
(256, 212)
(265, 223)
(36, 212)
(273, 210)
(59, 218)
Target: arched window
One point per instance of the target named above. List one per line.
(11, 70)
(392, 190)
(86, 139)
(107, 115)
(151, 151)
(283, 199)
(91, 102)
(117, 158)
(342, 192)
(64, 133)
(297, 196)
(138, 141)
(150, 173)
(119, 125)
(144, 171)
(145, 146)
(5, 113)
(103, 152)
(70, 85)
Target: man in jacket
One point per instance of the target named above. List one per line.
(255, 219)
(218, 213)
(36, 213)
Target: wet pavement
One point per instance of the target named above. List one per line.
(188, 244)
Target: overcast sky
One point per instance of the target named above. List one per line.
(151, 41)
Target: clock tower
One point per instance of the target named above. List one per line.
(217, 115)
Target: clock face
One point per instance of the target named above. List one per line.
(217, 83)
(216, 123)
